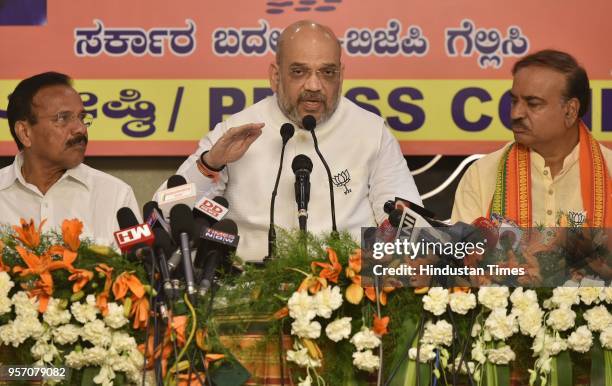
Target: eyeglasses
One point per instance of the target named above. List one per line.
(328, 74)
(63, 118)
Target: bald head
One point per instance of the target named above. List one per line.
(307, 31)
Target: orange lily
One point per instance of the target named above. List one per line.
(42, 267)
(380, 325)
(102, 298)
(82, 277)
(282, 313)
(28, 234)
(331, 271)
(71, 230)
(176, 328)
(354, 264)
(313, 284)
(127, 281)
(371, 294)
(140, 311)
(43, 291)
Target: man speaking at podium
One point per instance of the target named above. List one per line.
(240, 157)
(47, 180)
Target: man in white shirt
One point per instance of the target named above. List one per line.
(47, 180)
(240, 157)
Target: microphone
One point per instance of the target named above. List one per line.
(154, 217)
(309, 123)
(211, 210)
(286, 132)
(302, 166)
(178, 192)
(181, 219)
(219, 242)
(164, 247)
(132, 236)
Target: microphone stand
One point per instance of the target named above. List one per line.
(272, 231)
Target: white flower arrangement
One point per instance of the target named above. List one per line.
(436, 300)
(339, 329)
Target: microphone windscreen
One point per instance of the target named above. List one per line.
(287, 131)
(181, 221)
(309, 122)
(301, 162)
(126, 218)
(395, 217)
(226, 225)
(163, 241)
(221, 201)
(148, 208)
(389, 206)
(176, 180)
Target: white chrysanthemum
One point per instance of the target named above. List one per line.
(5, 304)
(306, 329)
(476, 328)
(522, 299)
(530, 319)
(494, 297)
(97, 333)
(366, 361)
(461, 302)
(300, 357)
(598, 318)
(465, 365)
(339, 329)
(606, 338)
(500, 325)
(302, 306)
(6, 284)
(85, 312)
(561, 319)
(25, 306)
(44, 352)
(439, 334)
(590, 295)
(55, 314)
(94, 356)
(606, 295)
(365, 339)
(66, 334)
(17, 331)
(122, 342)
(115, 318)
(306, 381)
(501, 356)
(545, 345)
(580, 340)
(565, 296)
(105, 376)
(327, 300)
(426, 353)
(478, 352)
(436, 300)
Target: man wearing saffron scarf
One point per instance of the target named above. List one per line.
(555, 171)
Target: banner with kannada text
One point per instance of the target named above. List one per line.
(157, 75)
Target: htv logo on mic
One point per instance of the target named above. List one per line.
(211, 208)
(137, 234)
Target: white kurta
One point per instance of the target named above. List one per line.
(359, 149)
(82, 192)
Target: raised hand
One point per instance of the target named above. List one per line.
(233, 144)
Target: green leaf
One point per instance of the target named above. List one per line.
(503, 375)
(406, 373)
(598, 370)
(564, 369)
(88, 375)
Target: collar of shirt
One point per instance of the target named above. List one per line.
(537, 161)
(78, 174)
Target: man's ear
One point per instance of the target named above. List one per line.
(571, 111)
(23, 131)
(274, 74)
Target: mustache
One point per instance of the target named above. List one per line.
(77, 140)
(519, 124)
(312, 96)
